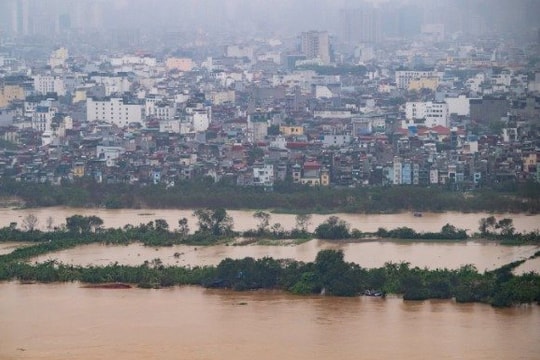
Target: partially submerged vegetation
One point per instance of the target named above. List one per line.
(504, 231)
(328, 274)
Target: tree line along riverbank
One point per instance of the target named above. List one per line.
(328, 274)
(285, 196)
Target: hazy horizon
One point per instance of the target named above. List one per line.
(31, 17)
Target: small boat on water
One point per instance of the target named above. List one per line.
(375, 293)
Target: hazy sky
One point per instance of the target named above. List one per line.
(242, 16)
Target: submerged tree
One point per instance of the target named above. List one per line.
(183, 227)
(264, 220)
(83, 224)
(30, 222)
(333, 228)
(216, 222)
(302, 222)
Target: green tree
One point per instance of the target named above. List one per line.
(83, 224)
(334, 275)
(216, 222)
(161, 225)
(95, 223)
(302, 222)
(183, 227)
(77, 224)
(486, 224)
(264, 220)
(333, 228)
(506, 226)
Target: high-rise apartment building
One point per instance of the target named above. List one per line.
(361, 25)
(316, 44)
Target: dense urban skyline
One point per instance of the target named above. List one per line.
(52, 17)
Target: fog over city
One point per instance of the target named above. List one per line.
(245, 17)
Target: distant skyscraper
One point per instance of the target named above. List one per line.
(316, 44)
(361, 25)
(20, 17)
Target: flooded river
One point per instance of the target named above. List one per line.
(65, 321)
(243, 220)
(484, 255)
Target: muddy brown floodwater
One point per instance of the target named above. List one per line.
(66, 321)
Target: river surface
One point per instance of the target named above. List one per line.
(65, 321)
(243, 220)
(483, 254)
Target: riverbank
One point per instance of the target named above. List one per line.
(292, 197)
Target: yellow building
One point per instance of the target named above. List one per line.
(181, 64)
(78, 169)
(530, 162)
(79, 96)
(291, 130)
(8, 93)
(325, 177)
(424, 83)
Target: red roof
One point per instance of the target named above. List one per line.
(311, 165)
(297, 145)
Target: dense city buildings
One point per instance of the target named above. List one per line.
(350, 95)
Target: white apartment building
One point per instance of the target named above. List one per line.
(114, 110)
(396, 178)
(133, 60)
(429, 114)
(113, 84)
(199, 118)
(109, 154)
(165, 110)
(458, 105)
(336, 140)
(433, 176)
(263, 174)
(150, 102)
(42, 118)
(475, 83)
(58, 57)
(316, 45)
(45, 84)
(404, 77)
(257, 131)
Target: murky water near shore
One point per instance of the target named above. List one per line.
(65, 321)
